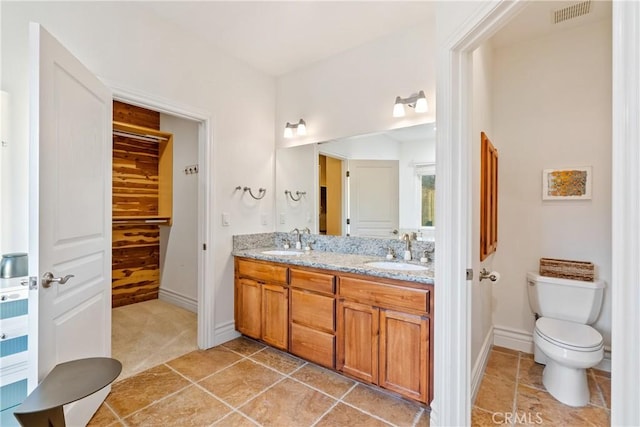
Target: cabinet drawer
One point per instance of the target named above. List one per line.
(262, 271)
(313, 310)
(325, 283)
(382, 295)
(313, 345)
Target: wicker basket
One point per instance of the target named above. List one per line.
(567, 269)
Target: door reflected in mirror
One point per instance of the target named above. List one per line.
(375, 185)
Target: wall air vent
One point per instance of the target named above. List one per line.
(570, 12)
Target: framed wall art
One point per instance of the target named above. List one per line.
(566, 184)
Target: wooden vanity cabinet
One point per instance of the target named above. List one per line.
(261, 301)
(312, 308)
(384, 335)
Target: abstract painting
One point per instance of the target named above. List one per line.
(566, 184)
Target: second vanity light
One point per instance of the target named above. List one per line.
(300, 129)
(417, 101)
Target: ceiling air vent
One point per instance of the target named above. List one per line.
(570, 12)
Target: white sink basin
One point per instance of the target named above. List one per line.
(389, 265)
(282, 252)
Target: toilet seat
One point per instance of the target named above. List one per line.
(569, 335)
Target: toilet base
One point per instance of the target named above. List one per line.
(568, 385)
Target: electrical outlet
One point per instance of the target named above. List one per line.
(264, 219)
(283, 218)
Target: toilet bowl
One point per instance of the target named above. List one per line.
(568, 349)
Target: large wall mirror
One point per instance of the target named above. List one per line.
(375, 185)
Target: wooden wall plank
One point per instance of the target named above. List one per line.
(127, 113)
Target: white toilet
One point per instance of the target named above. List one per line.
(563, 339)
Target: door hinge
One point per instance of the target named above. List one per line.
(204, 246)
(348, 221)
(469, 273)
(348, 174)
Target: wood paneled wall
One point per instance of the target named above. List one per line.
(135, 247)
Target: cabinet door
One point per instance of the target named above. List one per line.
(404, 354)
(275, 315)
(248, 307)
(357, 338)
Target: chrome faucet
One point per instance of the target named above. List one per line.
(299, 242)
(407, 249)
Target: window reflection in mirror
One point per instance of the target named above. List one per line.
(411, 149)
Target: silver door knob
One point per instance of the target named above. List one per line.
(47, 279)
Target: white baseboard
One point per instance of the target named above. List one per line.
(523, 341)
(225, 332)
(178, 299)
(515, 339)
(481, 363)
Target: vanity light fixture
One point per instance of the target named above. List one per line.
(300, 128)
(417, 101)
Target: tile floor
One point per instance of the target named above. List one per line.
(244, 383)
(511, 393)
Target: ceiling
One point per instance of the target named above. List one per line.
(278, 37)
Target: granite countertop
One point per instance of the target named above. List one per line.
(335, 261)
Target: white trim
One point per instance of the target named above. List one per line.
(481, 363)
(176, 298)
(625, 221)
(226, 332)
(515, 339)
(206, 294)
(452, 389)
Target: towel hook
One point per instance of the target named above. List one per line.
(298, 193)
(261, 192)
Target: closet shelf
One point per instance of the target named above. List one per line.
(144, 220)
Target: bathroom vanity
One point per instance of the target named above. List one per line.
(371, 324)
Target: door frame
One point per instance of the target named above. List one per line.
(452, 403)
(206, 295)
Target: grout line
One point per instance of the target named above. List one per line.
(514, 408)
(417, 417)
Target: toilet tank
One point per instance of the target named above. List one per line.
(565, 299)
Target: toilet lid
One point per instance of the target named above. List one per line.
(569, 333)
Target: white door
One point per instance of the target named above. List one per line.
(373, 198)
(69, 213)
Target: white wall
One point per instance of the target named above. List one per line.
(353, 93)
(551, 109)
(179, 243)
(481, 292)
(128, 46)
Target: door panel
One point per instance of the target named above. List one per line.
(275, 316)
(249, 307)
(373, 197)
(358, 341)
(70, 212)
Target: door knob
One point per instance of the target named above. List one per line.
(47, 279)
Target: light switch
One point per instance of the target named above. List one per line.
(283, 218)
(264, 218)
(225, 219)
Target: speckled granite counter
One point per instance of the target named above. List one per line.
(342, 262)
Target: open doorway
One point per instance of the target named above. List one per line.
(155, 237)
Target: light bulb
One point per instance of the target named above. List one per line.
(288, 131)
(398, 108)
(302, 128)
(421, 103)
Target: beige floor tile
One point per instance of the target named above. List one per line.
(424, 420)
(104, 416)
(496, 394)
(530, 373)
(146, 334)
(343, 415)
(505, 350)
(240, 382)
(288, 403)
(190, 407)
(482, 418)
(134, 393)
(324, 380)
(235, 419)
(201, 363)
(502, 365)
(535, 405)
(390, 408)
(244, 346)
(596, 397)
(278, 360)
(604, 384)
(601, 373)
